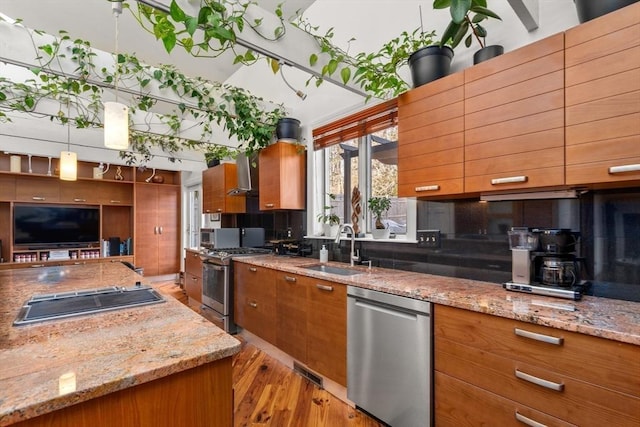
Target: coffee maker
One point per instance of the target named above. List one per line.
(544, 262)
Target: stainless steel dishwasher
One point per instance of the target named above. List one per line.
(389, 358)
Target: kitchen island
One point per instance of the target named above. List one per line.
(160, 364)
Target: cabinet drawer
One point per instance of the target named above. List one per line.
(7, 188)
(30, 189)
(459, 404)
(193, 264)
(255, 300)
(561, 396)
(80, 192)
(193, 286)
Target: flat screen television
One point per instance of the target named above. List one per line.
(45, 226)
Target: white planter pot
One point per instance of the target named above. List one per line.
(380, 233)
(331, 230)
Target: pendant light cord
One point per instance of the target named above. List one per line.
(116, 7)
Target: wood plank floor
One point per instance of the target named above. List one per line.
(268, 393)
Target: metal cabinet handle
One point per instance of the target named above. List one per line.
(539, 381)
(528, 421)
(37, 265)
(253, 269)
(194, 278)
(39, 198)
(324, 287)
(624, 168)
(509, 180)
(79, 200)
(427, 188)
(219, 210)
(538, 337)
(155, 230)
(115, 201)
(253, 304)
(160, 228)
(269, 205)
(289, 279)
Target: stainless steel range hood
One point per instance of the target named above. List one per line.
(243, 166)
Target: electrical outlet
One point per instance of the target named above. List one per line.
(429, 239)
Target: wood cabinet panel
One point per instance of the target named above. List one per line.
(7, 188)
(291, 315)
(111, 193)
(37, 189)
(193, 275)
(80, 191)
(216, 182)
(459, 404)
(430, 138)
(282, 176)
(255, 300)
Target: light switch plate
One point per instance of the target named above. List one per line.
(428, 239)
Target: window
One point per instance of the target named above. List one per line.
(362, 153)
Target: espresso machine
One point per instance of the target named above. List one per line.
(544, 262)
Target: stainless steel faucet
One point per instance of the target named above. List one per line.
(353, 256)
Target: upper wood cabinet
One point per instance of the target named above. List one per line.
(281, 168)
(514, 119)
(431, 139)
(37, 189)
(216, 182)
(603, 99)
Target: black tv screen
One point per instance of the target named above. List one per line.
(48, 225)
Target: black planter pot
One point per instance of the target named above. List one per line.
(288, 129)
(430, 63)
(487, 52)
(213, 162)
(590, 9)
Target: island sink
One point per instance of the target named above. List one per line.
(333, 270)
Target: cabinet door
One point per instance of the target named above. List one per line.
(255, 300)
(168, 223)
(32, 189)
(111, 193)
(327, 329)
(146, 231)
(603, 99)
(193, 275)
(282, 176)
(431, 139)
(514, 119)
(7, 188)
(291, 315)
(80, 191)
(216, 182)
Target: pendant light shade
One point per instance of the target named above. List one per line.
(116, 126)
(68, 166)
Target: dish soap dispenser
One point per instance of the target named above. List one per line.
(324, 254)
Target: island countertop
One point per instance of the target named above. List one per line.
(97, 353)
(602, 317)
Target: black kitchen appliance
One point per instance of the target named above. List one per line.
(547, 263)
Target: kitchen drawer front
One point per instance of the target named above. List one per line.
(606, 363)
(31, 189)
(459, 404)
(193, 287)
(558, 395)
(193, 264)
(255, 300)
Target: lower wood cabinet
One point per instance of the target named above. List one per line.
(193, 275)
(255, 300)
(495, 371)
(292, 313)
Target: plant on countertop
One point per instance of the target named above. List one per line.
(327, 216)
(462, 23)
(378, 205)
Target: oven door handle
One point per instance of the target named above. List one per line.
(214, 267)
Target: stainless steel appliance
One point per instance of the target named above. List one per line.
(389, 362)
(220, 238)
(252, 237)
(217, 284)
(544, 262)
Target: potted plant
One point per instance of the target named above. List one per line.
(463, 26)
(215, 153)
(378, 205)
(288, 129)
(330, 221)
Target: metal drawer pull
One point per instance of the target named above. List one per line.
(160, 228)
(324, 287)
(269, 205)
(38, 198)
(37, 265)
(539, 381)
(528, 421)
(219, 210)
(538, 337)
(509, 180)
(624, 168)
(253, 304)
(115, 201)
(427, 188)
(253, 269)
(79, 200)
(289, 279)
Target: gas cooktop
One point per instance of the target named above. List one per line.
(226, 254)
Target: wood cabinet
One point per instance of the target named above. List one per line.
(514, 119)
(193, 275)
(431, 139)
(603, 99)
(157, 228)
(512, 369)
(255, 300)
(216, 182)
(291, 315)
(282, 176)
(37, 189)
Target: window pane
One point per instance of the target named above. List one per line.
(342, 176)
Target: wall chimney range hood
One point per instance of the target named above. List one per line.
(243, 166)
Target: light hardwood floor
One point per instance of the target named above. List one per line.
(268, 393)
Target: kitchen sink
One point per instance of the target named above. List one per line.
(40, 308)
(333, 270)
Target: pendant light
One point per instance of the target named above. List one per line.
(68, 159)
(116, 115)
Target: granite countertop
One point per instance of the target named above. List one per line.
(102, 353)
(602, 317)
